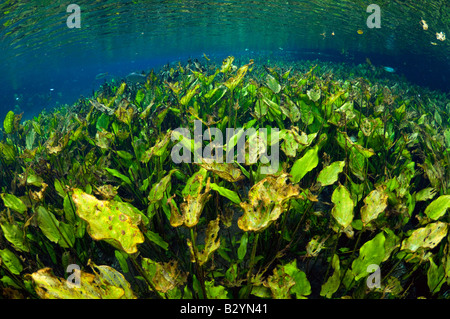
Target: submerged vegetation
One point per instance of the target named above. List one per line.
(363, 188)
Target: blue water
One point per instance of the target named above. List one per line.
(45, 64)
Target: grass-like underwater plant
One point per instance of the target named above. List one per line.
(363, 183)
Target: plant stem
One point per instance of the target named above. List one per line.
(332, 254)
(252, 264)
(351, 257)
(198, 268)
(144, 275)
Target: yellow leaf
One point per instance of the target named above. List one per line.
(112, 221)
(267, 201)
(91, 286)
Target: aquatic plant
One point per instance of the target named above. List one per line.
(95, 184)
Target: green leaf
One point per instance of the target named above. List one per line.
(11, 262)
(29, 140)
(232, 82)
(314, 95)
(67, 235)
(447, 137)
(372, 252)
(273, 84)
(242, 250)
(329, 175)
(114, 278)
(438, 207)
(192, 184)
(48, 224)
(122, 259)
(302, 287)
(425, 194)
(119, 175)
(215, 292)
(15, 235)
(34, 180)
(305, 164)
(14, 203)
(59, 188)
(435, 276)
(158, 189)
(232, 273)
(157, 239)
(125, 155)
(102, 122)
(343, 206)
(140, 95)
(189, 95)
(425, 237)
(225, 192)
(227, 64)
(290, 109)
(261, 108)
(332, 284)
(8, 123)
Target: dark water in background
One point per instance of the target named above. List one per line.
(44, 63)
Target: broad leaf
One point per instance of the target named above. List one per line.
(290, 109)
(375, 203)
(105, 285)
(438, 207)
(435, 276)
(14, 203)
(227, 171)
(371, 253)
(157, 239)
(164, 276)
(112, 221)
(332, 284)
(329, 175)
(273, 84)
(48, 224)
(192, 184)
(314, 95)
(305, 164)
(211, 243)
(225, 192)
(11, 262)
(189, 95)
(192, 206)
(158, 189)
(425, 237)
(287, 280)
(117, 174)
(343, 206)
(267, 201)
(8, 123)
(232, 82)
(15, 235)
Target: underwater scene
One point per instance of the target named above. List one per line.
(225, 149)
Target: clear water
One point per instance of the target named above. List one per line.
(44, 63)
